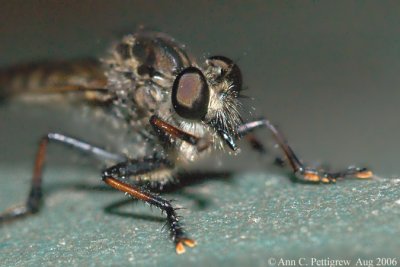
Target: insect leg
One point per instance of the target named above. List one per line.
(255, 143)
(34, 201)
(163, 128)
(114, 177)
(301, 171)
(257, 146)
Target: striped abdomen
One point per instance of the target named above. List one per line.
(51, 77)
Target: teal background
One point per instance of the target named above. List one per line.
(325, 72)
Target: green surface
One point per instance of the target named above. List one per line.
(325, 72)
(247, 219)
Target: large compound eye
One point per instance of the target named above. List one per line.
(229, 71)
(190, 94)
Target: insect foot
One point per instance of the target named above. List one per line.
(181, 242)
(315, 176)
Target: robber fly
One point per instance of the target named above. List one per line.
(177, 109)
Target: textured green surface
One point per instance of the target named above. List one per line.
(326, 72)
(246, 219)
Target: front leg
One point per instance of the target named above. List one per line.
(301, 171)
(162, 128)
(115, 177)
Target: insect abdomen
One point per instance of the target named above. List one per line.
(50, 77)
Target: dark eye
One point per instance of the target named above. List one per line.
(229, 71)
(190, 94)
